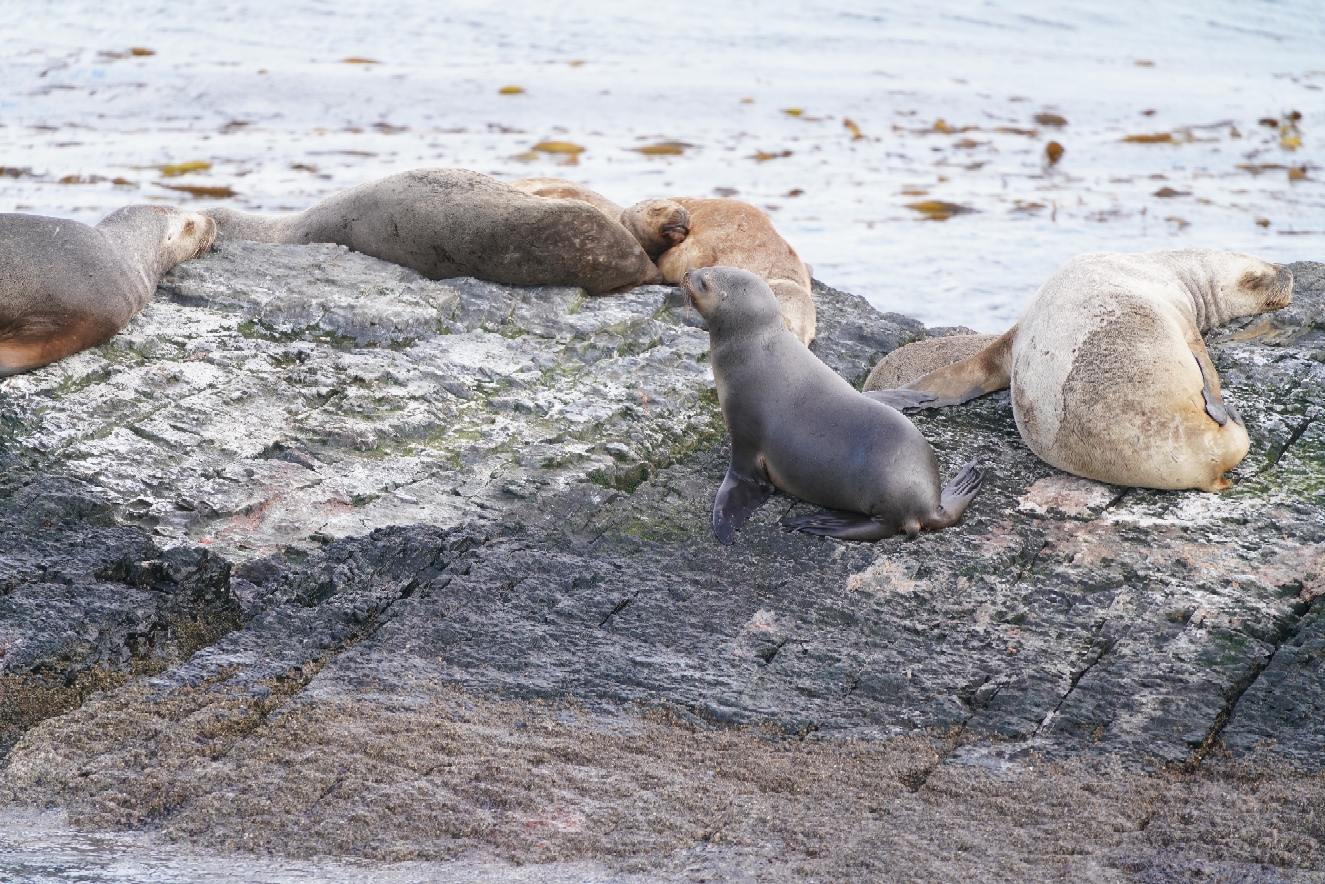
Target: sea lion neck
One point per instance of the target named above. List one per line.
(137, 232)
(1202, 288)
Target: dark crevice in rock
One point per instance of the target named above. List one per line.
(1278, 452)
(1099, 648)
(1212, 739)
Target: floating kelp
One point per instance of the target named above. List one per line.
(1051, 120)
(856, 134)
(511, 90)
(560, 148)
(210, 191)
(764, 156)
(938, 210)
(358, 59)
(176, 169)
(1053, 152)
(663, 149)
(1170, 193)
(1155, 138)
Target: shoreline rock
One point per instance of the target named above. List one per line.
(436, 496)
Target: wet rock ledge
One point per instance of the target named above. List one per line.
(317, 543)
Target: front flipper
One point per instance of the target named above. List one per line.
(840, 524)
(903, 398)
(737, 499)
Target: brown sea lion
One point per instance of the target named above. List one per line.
(907, 363)
(656, 224)
(732, 233)
(446, 223)
(1110, 377)
(795, 424)
(65, 286)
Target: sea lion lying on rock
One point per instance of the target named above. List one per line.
(732, 233)
(65, 286)
(795, 424)
(446, 223)
(656, 224)
(1110, 377)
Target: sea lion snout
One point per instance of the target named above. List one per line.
(1283, 288)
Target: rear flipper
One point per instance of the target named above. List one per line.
(957, 496)
(737, 499)
(966, 379)
(1215, 406)
(903, 398)
(839, 524)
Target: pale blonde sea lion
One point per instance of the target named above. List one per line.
(65, 286)
(1110, 377)
(795, 424)
(732, 233)
(907, 363)
(656, 224)
(446, 223)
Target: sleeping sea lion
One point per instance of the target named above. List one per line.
(446, 223)
(65, 286)
(1110, 377)
(732, 233)
(656, 224)
(795, 424)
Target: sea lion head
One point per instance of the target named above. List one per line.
(1242, 285)
(731, 299)
(188, 235)
(658, 225)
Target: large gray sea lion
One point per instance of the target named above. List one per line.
(795, 424)
(731, 233)
(65, 286)
(446, 223)
(1110, 377)
(656, 224)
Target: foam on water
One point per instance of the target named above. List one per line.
(261, 91)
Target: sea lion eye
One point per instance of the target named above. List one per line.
(1252, 280)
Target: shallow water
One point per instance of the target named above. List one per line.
(945, 104)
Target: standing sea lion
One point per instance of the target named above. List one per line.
(795, 424)
(731, 233)
(65, 286)
(451, 222)
(656, 224)
(1110, 377)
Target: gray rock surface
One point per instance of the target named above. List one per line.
(443, 550)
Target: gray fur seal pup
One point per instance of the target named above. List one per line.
(796, 425)
(656, 224)
(731, 233)
(446, 223)
(65, 286)
(1110, 377)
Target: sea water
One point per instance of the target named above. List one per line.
(900, 147)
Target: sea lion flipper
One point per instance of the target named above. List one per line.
(1214, 405)
(957, 495)
(986, 371)
(738, 497)
(903, 399)
(840, 524)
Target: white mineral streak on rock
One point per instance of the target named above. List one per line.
(273, 394)
(1070, 495)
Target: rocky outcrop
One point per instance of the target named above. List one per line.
(427, 533)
